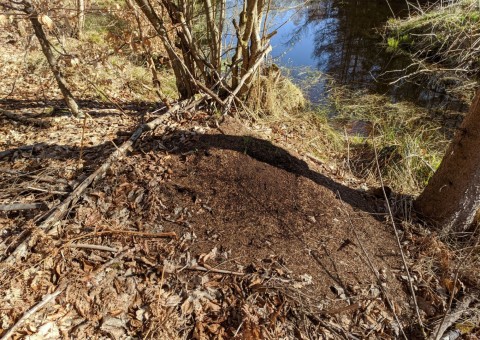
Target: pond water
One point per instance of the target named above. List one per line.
(341, 38)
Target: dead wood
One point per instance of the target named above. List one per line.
(49, 225)
(22, 206)
(93, 247)
(6, 153)
(25, 120)
(453, 317)
(51, 297)
(213, 270)
(49, 191)
(40, 178)
(46, 300)
(169, 234)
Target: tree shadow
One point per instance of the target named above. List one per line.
(183, 142)
(259, 149)
(94, 108)
(266, 152)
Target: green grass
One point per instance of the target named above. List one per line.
(409, 141)
(444, 36)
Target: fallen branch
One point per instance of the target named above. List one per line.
(451, 318)
(38, 178)
(212, 270)
(54, 192)
(50, 297)
(92, 246)
(6, 153)
(22, 206)
(46, 299)
(25, 120)
(60, 210)
(169, 234)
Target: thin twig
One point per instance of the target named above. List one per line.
(48, 191)
(50, 297)
(92, 246)
(46, 299)
(441, 328)
(374, 271)
(22, 206)
(212, 270)
(399, 243)
(82, 139)
(169, 234)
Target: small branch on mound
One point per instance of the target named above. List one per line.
(213, 270)
(93, 247)
(22, 206)
(169, 234)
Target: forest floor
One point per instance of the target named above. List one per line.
(200, 231)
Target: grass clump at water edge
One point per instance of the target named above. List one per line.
(409, 140)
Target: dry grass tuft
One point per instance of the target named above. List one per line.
(445, 40)
(410, 140)
(272, 94)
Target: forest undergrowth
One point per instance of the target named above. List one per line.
(177, 240)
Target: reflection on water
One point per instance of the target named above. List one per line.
(341, 38)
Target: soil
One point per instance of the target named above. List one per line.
(237, 203)
(201, 231)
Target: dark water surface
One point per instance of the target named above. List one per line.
(342, 39)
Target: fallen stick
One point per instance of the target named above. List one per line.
(50, 297)
(20, 148)
(168, 234)
(92, 246)
(55, 192)
(60, 210)
(38, 178)
(451, 318)
(212, 270)
(46, 299)
(22, 206)
(25, 120)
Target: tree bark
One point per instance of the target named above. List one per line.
(452, 197)
(47, 51)
(185, 86)
(80, 18)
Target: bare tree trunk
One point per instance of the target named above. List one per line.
(452, 197)
(47, 51)
(80, 18)
(185, 86)
(148, 54)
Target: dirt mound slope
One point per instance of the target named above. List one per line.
(267, 245)
(257, 200)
